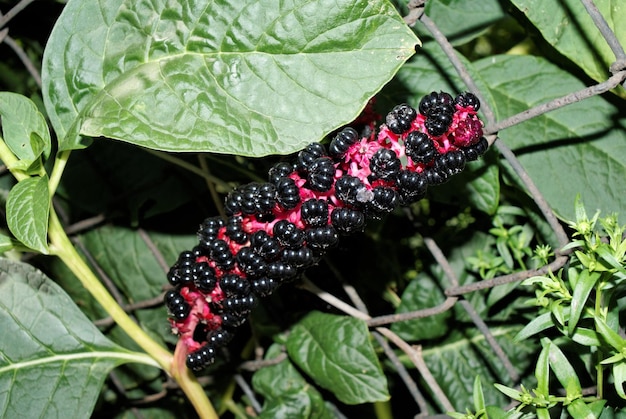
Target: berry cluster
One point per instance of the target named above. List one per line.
(276, 229)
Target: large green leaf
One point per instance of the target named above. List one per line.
(53, 359)
(28, 207)
(457, 361)
(247, 77)
(463, 20)
(337, 353)
(577, 149)
(422, 292)
(286, 392)
(567, 26)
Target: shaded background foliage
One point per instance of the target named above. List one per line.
(131, 211)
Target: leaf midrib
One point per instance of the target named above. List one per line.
(63, 358)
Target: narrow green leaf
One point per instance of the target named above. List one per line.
(590, 131)
(619, 378)
(542, 373)
(586, 283)
(579, 410)
(337, 353)
(510, 392)
(54, 360)
(586, 337)
(606, 253)
(24, 129)
(465, 353)
(563, 370)
(247, 77)
(422, 292)
(479, 397)
(609, 335)
(28, 208)
(567, 26)
(538, 324)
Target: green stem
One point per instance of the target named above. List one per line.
(600, 354)
(57, 170)
(61, 246)
(9, 159)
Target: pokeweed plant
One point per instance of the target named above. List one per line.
(177, 76)
(213, 87)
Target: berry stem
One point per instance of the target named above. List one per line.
(189, 384)
(62, 247)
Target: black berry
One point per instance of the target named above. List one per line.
(251, 263)
(474, 151)
(468, 99)
(210, 228)
(435, 102)
(204, 277)
(420, 148)
(347, 221)
(321, 174)
(263, 286)
(298, 258)
(385, 199)
(314, 212)
(202, 358)
(340, 144)
(411, 186)
(221, 254)
(280, 170)
(321, 238)
(287, 193)
(233, 284)
(307, 156)
(265, 245)
(234, 229)
(438, 123)
(384, 164)
(288, 234)
(176, 304)
(347, 190)
(451, 163)
(400, 118)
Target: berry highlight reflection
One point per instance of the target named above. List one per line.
(276, 229)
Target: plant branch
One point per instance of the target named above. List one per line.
(61, 246)
(4, 19)
(612, 82)
(605, 30)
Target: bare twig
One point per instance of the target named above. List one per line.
(497, 349)
(129, 308)
(4, 19)
(606, 31)
(535, 193)
(262, 363)
(19, 51)
(243, 385)
(403, 373)
(155, 251)
(574, 97)
(85, 224)
(555, 265)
